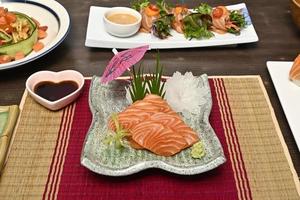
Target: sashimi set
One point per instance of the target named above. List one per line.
(143, 120)
(150, 122)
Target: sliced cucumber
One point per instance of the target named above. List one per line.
(24, 46)
(5, 37)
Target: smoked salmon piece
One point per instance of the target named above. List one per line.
(294, 74)
(153, 125)
(179, 12)
(295, 70)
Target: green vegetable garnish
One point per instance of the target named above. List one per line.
(138, 86)
(4, 37)
(197, 26)
(233, 31)
(237, 19)
(139, 4)
(162, 26)
(154, 81)
(163, 7)
(138, 89)
(116, 138)
(198, 150)
(203, 9)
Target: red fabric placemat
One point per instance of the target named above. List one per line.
(73, 181)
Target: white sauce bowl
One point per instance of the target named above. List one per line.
(122, 30)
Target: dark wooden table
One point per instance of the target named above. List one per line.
(279, 40)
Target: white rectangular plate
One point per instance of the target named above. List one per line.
(288, 93)
(97, 36)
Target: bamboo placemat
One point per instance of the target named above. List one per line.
(45, 155)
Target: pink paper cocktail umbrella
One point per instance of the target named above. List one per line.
(122, 61)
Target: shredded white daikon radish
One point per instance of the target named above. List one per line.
(184, 93)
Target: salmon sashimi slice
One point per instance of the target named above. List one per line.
(170, 120)
(153, 125)
(152, 103)
(157, 138)
(175, 122)
(129, 119)
(134, 144)
(141, 110)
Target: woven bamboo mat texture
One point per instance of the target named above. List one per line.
(257, 154)
(260, 140)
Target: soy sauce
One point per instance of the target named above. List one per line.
(55, 91)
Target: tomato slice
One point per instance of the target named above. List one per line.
(153, 7)
(2, 11)
(3, 20)
(10, 17)
(152, 10)
(7, 28)
(217, 12)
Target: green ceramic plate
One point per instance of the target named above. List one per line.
(103, 159)
(8, 119)
(3, 120)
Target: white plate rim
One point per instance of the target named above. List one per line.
(64, 21)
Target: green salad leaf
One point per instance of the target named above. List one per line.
(139, 4)
(162, 26)
(163, 7)
(197, 26)
(238, 19)
(203, 9)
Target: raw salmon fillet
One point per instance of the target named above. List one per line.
(295, 70)
(153, 125)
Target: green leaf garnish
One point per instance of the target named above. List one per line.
(116, 138)
(238, 19)
(234, 31)
(138, 84)
(138, 88)
(163, 7)
(203, 9)
(154, 80)
(197, 26)
(198, 150)
(138, 5)
(162, 26)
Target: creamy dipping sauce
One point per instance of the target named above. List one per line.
(122, 18)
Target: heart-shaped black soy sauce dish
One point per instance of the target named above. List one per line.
(55, 91)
